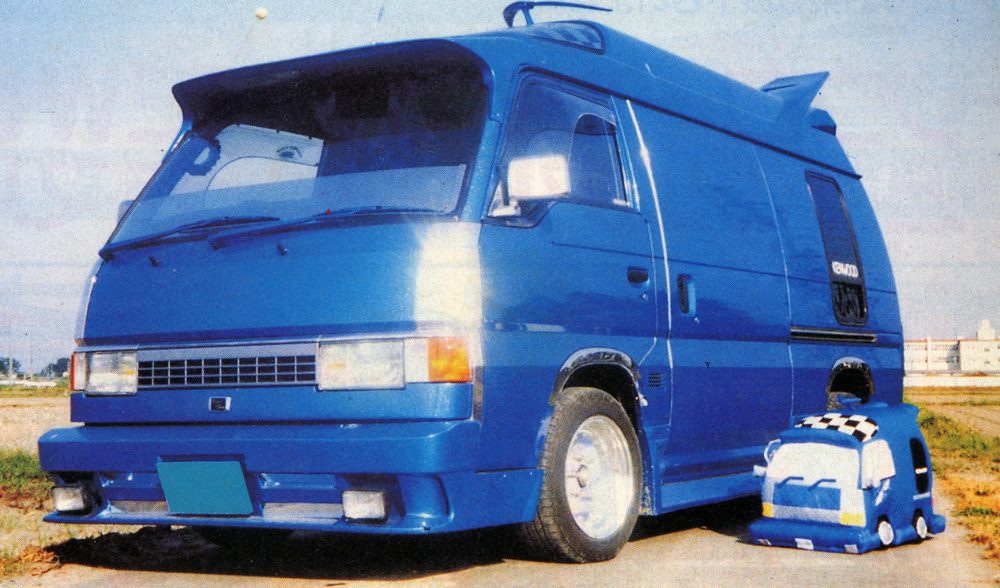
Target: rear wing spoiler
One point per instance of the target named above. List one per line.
(798, 93)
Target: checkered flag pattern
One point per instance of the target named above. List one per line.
(859, 426)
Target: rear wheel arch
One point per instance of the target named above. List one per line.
(851, 376)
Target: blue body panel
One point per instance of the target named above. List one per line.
(694, 286)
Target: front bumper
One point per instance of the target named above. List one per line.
(295, 474)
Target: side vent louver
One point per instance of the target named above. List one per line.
(655, 380)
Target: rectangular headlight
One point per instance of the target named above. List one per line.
(111, 373)
(359, 365)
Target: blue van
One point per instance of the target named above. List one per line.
(848, 482)
(548, 276)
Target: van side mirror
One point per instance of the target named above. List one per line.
(123, 207)
(759, 471)
(538, 178)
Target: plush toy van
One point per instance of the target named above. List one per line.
(848, 481)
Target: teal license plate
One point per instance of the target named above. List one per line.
(205, 488)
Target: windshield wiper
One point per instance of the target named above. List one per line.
(108, 251)
(328, 216)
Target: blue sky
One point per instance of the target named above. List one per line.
(86, 113)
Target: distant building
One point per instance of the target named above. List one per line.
(955, 356)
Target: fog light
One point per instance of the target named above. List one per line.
(364, 505)
(71, 499)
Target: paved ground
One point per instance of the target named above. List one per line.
(700, 547)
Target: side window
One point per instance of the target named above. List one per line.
(560, 146)
(920, 469)
(847, 281)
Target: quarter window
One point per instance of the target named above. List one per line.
(847, 281)
(920, 469)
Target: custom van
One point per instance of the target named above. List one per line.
(549, 276)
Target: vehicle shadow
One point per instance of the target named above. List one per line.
(303, 555)
(354, 557)
(727, 518)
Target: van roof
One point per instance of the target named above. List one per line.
(778, 116)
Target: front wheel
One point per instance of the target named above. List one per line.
(592, 475)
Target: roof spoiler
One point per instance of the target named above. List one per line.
(798, 93)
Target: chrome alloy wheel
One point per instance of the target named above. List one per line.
(599, 477)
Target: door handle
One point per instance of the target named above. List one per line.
(686, 295)
(638, 275)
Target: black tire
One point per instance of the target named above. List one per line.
(242, 539)
(555, 534)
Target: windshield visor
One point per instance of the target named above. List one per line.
(384, 136)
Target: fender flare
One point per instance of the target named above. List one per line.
(597, 356)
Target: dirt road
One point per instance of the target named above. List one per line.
(979, 409)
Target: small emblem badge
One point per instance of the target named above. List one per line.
(219, 403)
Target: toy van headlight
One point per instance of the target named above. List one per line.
(105, 373)
(771, 449)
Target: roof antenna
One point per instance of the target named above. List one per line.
(525, 8)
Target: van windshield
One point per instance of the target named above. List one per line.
(381, 139)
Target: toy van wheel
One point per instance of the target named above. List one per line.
(592, 475)
(920, 526)
(886, 534)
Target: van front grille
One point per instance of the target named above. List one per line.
(227, 371)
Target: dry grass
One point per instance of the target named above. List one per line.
(977, 506)
(26, 413)
(23, 419)
(60, 391)
(966, 458)
(25, 540)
